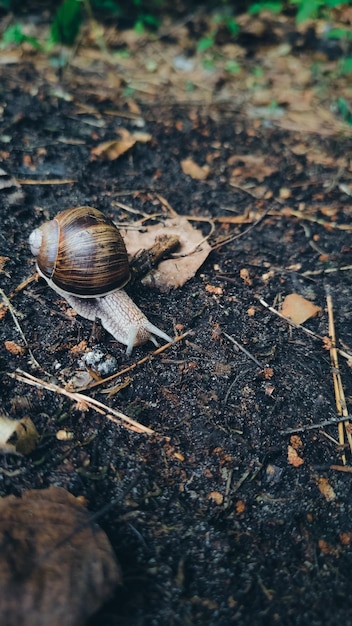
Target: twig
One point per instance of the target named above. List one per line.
(23, 285)
(328, 270)
(48, 181)
(134, 365)
(217, 246)
(343, 353)
(341, 468)
(14, 317)
(240, 347)
(254, 464)
(316, 220)
(301, 429)
(289, 321)
(112, 414)
(339, 392)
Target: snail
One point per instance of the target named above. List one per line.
(82, 256)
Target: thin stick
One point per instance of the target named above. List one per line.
(341, 468)
(112, 414)
(301, 429)
(338, 388)
(240, 347)
(14, 317)
(343, 353)
(48, 181)
(245, 232)
(315, 220)
(166, 346)
(328, 270)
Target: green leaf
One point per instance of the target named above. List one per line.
(67, 22)
(340, 33)
(205, 43)
(14, 34)
(232, 25)
(274, 7)
(232, 66)
(334, 3)
(346, 65)
(107, 6)
(307, 9)
(345, 110)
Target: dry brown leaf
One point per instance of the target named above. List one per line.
(296, 442)
(79, 348)
(3, 261)
(215, 290)
(244, 274)
(192, 169)
(312, 120)
(3, 310)
(298, 309)
(66, 564)
(216, 497)
(174, 272)
(326, 489)
(346, 538)
(328, 548)
(254, 166)
(17, 436)
(240, 507)
(293, 457)
(64, 435)
(111, 150)
(13, 347)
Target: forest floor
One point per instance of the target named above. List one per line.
(237, 507)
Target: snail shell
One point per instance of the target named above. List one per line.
(82, 256)
(81, 252)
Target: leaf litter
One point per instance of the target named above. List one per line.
(208, 393)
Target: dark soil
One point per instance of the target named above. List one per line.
(210, 522)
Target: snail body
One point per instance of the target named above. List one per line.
(82, 256)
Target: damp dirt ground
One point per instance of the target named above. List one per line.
(211, 519)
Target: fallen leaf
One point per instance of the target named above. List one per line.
(215, 290)
(79, 348)
(298, 309)
(17, 436)
(3, 261)
(13, 347)
(64, 435)
(3, 310)
(216, 497)
(244, 274)
(296, 442)
(346, 538)
(240, 507)
(327, 343)
(293, 457)
(56, 566)
(328, 548)
(176, 271)
(111, 150)
(326, 489)
(254, 166)
(192, 169)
